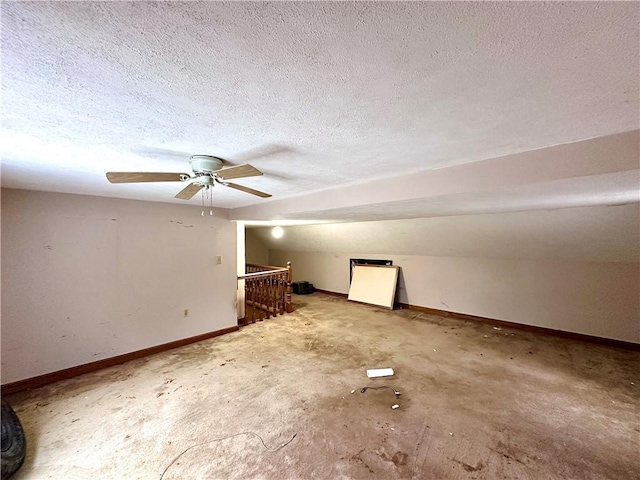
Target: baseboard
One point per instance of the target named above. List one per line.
(335, 294)
(520, 326)
(610, 342)
(71, 372)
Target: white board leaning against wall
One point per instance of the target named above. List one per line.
(374, 284)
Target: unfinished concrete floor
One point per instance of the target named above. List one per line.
(476, 403)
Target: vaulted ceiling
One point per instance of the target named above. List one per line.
(319, 96)
(593, 234)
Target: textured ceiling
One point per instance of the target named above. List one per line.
(599, 171)
(335, 92)
(619, 188)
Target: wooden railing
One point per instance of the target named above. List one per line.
(267, 291)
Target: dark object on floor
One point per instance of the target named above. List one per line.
(395, 392)
(13, 442)
(303, 288)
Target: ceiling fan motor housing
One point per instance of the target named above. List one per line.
(205, 164)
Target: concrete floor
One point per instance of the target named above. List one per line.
(476, 403)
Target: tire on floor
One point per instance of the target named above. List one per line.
(13, 442)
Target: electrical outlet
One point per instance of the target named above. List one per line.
(186, 312)
(218, 259)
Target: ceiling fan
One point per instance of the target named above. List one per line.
(208, 172)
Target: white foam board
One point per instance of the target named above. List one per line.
(374, 284)
(379, 372)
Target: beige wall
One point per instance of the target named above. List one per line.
(255, 250)
(593, 298)
(240, 268)
(574, 269)
(87, 278)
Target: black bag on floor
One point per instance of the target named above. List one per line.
(303, 288)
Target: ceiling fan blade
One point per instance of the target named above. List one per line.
(134, 177)
(247, 189)
(189, 191)
(240, 171)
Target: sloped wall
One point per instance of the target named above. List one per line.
(575, 270)
(86, 278)
(256, 251)
(593, 298)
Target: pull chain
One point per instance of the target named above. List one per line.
(207, 191)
